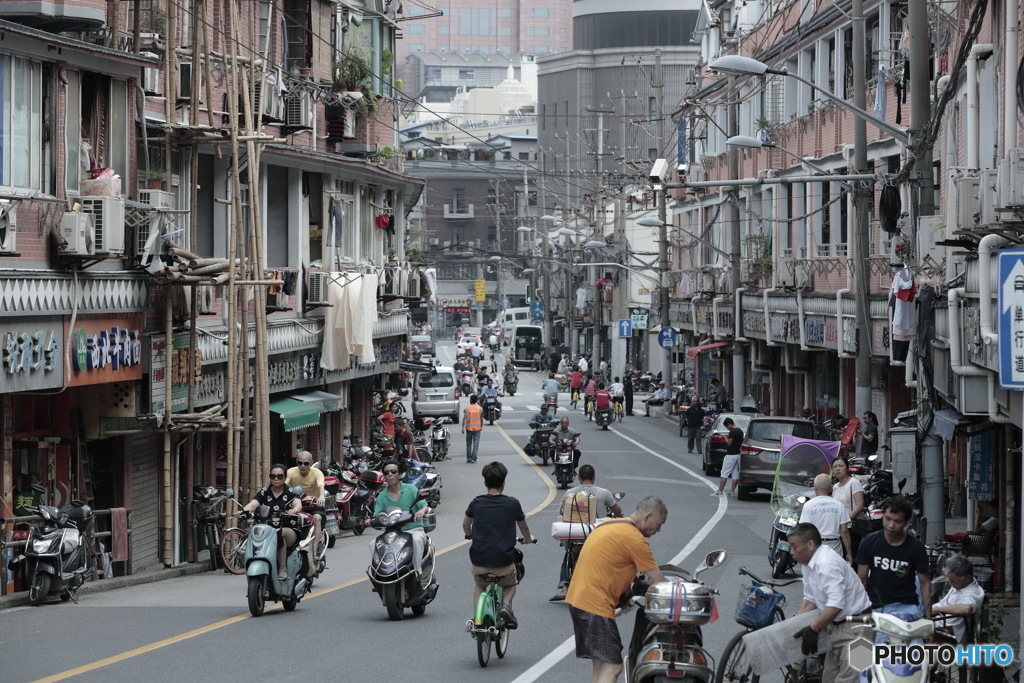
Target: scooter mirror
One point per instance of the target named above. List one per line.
(38, 489)
(619, 495)
(297, 490)
(230, 493)
(715, 558)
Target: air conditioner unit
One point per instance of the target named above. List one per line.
(108, 214)
(185, 81)
(8, 227)
(968, 209)
(785, 273)
(77, 233)
(433, 241)
(300, 110)
(696, 173)
(1011, 179)
(706, 281)
(802, 275)
(988, 198)
(317, 285)
(158, 198)
(447, 243)
(151, 78)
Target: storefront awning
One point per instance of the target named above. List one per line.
(946, 421)
(325, 403)
(295, 414)
(694, 350)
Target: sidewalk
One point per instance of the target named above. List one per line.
(21, 598)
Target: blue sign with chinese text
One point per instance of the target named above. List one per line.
(1011, 318)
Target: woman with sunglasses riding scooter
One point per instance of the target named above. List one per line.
(279, 498)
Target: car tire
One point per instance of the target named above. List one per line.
(744, 492)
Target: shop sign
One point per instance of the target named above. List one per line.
(814, 331)
(639, 316)
(831, 333)
(780, 327)
(172, 365)
(980, 484)
(32, 355)
(106, 349)
(725, 320)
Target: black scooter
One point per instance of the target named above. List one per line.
(56, 553)
(392, 572)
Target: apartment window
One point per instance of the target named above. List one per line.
(541, 49)
(492, 234)
(459, 201)
(539, 31)
(531, 198)
(505, 32)
(415, 28)
(415, 11)
(433, 73)
(873, 45)
(652, 108)
(295, 33)
(566, 103)
(442, 30)
(652, 153)
(539, 13)
(21, 123)
(465, 74)
(264, 27)
(826, 218)
(524, 156)
(543, 117)
(554, 114)
(506, 13)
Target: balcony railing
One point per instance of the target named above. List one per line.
(458, 211)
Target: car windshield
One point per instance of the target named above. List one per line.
(472, 330)
(438, 381)
(773, 430)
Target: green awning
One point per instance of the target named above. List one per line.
(295, 414)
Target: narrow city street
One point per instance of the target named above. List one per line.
(200, 623)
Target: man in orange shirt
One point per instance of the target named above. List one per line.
(472, 425)
(614, 552)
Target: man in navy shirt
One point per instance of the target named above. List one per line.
(491, 522)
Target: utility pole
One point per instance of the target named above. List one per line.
(862, 228)
(620, 308)
(733, 213)
(663, 308)
(547, 301)
(572, 334)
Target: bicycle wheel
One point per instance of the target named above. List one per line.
(213, 545)
(729, 663)
(501, 642)
(483, 642)
(232, 551)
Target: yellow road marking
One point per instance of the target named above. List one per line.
(124, 656)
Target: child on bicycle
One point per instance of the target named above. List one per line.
(491, 521)
(589, 389)
(575, 383)
(617, 389)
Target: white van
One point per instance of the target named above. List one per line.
(511, 317)
(526, 346)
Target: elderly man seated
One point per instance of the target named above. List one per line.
(964, 597)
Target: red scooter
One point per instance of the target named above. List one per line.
(356, 496)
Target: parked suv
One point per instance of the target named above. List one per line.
(714, 441)
(759, 455)
(434, 394)
(424, 343)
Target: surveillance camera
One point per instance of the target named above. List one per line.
(659, 172)
(355, 19)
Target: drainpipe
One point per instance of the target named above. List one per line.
(1010, 78)
(738, 321)
(988, 244)
(800, 320)
(955, 355)
(973, 115)
(714, 315)
(767, 320)
(839, 323)
(693, 316)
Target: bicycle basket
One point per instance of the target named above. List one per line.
(756, 606)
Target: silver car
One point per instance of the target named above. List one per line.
(435, 394)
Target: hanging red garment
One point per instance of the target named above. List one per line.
(382, 222)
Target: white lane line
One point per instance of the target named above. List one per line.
(551, 659)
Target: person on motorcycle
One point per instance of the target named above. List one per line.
(490, 522)
(563, 432)
(602, 398)
(493, 342)
(587, 476)
(541, 417)
(510, 374)
(279, 498)
(490, 391)
(404, 496)
(550, 387)
(312, 482)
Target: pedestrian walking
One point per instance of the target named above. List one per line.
(694, 417)
(472, 425)
(731, 462)
(627, 390)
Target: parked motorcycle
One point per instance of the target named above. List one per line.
(603, 417)
(667, 643)
(56, 553)
(564, 471)
(492, 408)
(424, 477)
(261, 568)
(545, 447)
(356, 497)
(902, 630)
(787, 515)
(391, 571)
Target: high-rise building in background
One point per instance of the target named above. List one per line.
(480, 27)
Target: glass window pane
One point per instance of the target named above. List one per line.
(119, 127)
(73, 132)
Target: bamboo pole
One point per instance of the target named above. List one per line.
(233, 227)
(167, 484)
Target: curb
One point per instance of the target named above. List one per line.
(21, 598)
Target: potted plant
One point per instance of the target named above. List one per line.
(352, 72)
(155, 180)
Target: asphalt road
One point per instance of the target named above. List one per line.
(199, 627)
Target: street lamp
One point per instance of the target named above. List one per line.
(757, 143)
(738, 65)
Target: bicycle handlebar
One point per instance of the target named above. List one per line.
(773, 584)
(520, 539)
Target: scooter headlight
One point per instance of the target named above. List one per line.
(390, 537)
(404, 555)
(40, 545)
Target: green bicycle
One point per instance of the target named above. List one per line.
(488, 625)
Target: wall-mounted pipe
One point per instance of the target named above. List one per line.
(956, 363)
(693, 315)
(839, 324)
(767, 320)
(1010, 78)
(714, 315)
(988, 244)
(738, 322)
(973, 112)
(800, 320)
